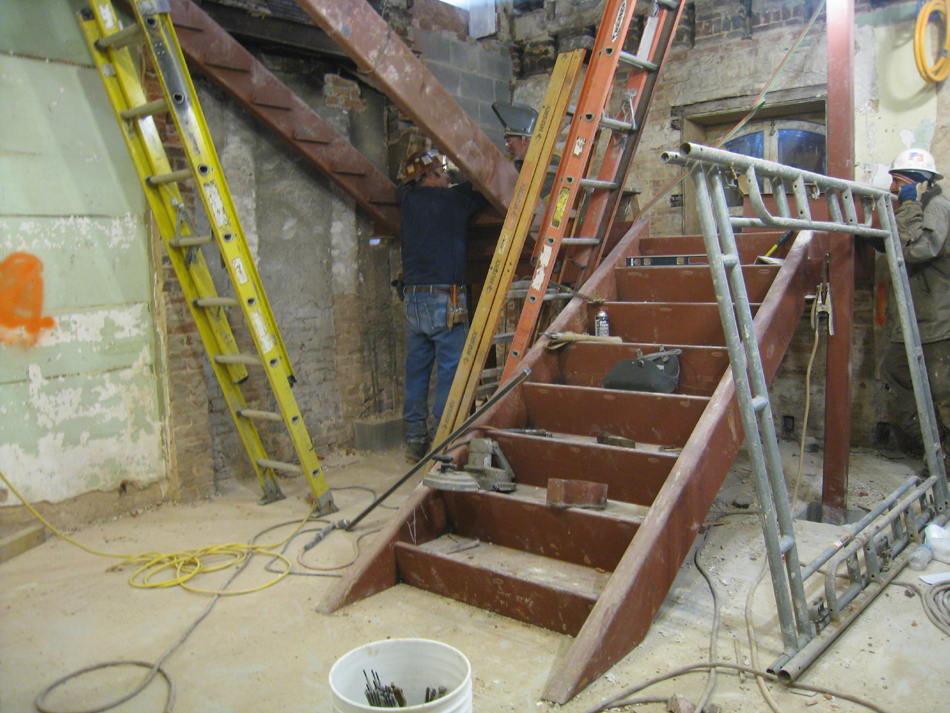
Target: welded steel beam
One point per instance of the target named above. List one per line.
(386, 60)
(840, 121)
(208, 47)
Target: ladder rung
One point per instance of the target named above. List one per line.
(262, 415)
(786, 544)
(634, 61)
(584, 242)
(594, 183)
(216, 302)
(280, 465)
(669, 4)
(503, 338)
(486, 389)
(172, 177)
(237, 359)
(616, 125)
(493, 373)
(158, 106)
(121, 38)
(191, 241)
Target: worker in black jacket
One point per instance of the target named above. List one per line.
(435, 218)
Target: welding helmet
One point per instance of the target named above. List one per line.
(916, 161)
(517, 119)
(421, 163)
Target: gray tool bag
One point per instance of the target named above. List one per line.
(657, 373)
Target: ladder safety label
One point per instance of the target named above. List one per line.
(560, 206)
(579, 145)
(108, 18)
(215, 204)
(618, 23)
(239, 273)
(263, 334)
(539, 275)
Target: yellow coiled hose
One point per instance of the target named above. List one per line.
(939, 70)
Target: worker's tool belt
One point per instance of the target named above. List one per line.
(439, 289)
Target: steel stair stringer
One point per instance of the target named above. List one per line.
(221, 58)
(646, 567)
(626, 608)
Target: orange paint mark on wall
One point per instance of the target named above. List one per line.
(21, 299)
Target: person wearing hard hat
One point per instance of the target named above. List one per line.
(923, 223)
(435, 218)
(518, 121)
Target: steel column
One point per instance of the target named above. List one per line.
(840, 143)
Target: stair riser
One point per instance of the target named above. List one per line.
(685, 284)
(658, 419)
(631, 476)
(557, 610)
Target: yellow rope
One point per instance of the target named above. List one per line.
(186, 564)
(939, 70)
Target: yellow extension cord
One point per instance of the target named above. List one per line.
(939, 70)
(185, 565)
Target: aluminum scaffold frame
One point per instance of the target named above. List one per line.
(883, 536)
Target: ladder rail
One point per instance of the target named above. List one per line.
(583, 136)
(638, 94)
(134, 114)
(807, 631)
(578, 147)
(735, 314)
(518, 221)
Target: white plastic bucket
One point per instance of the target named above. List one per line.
(413, 665)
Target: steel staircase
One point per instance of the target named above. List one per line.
(599, 575)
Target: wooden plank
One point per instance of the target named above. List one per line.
(658, 419)
(25, 538)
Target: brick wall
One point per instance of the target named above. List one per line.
(191, 473)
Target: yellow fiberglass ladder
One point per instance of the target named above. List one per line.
(108, 42)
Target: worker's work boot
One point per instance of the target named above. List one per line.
(415, 450)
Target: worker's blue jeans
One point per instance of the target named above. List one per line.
(428, 342)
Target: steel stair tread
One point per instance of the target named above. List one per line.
(529, 588)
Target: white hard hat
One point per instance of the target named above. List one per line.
(916, 160)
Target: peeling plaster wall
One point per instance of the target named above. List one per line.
(81, 409)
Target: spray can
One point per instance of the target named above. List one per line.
(601, 325)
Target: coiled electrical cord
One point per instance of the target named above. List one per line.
(939, 70)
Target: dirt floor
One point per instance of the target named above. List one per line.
(63, 609)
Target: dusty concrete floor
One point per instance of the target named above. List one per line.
(61, 610)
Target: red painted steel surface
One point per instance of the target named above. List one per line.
(636, 590)
(586, 364)
(380, 54)
(632, 476)
(222, 59)
(559, 610)
(687, 284)
(840, 113)
(583, 537)
(659, 419)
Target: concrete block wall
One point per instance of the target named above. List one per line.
(475, 72)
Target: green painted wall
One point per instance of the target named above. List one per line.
(80, 409)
